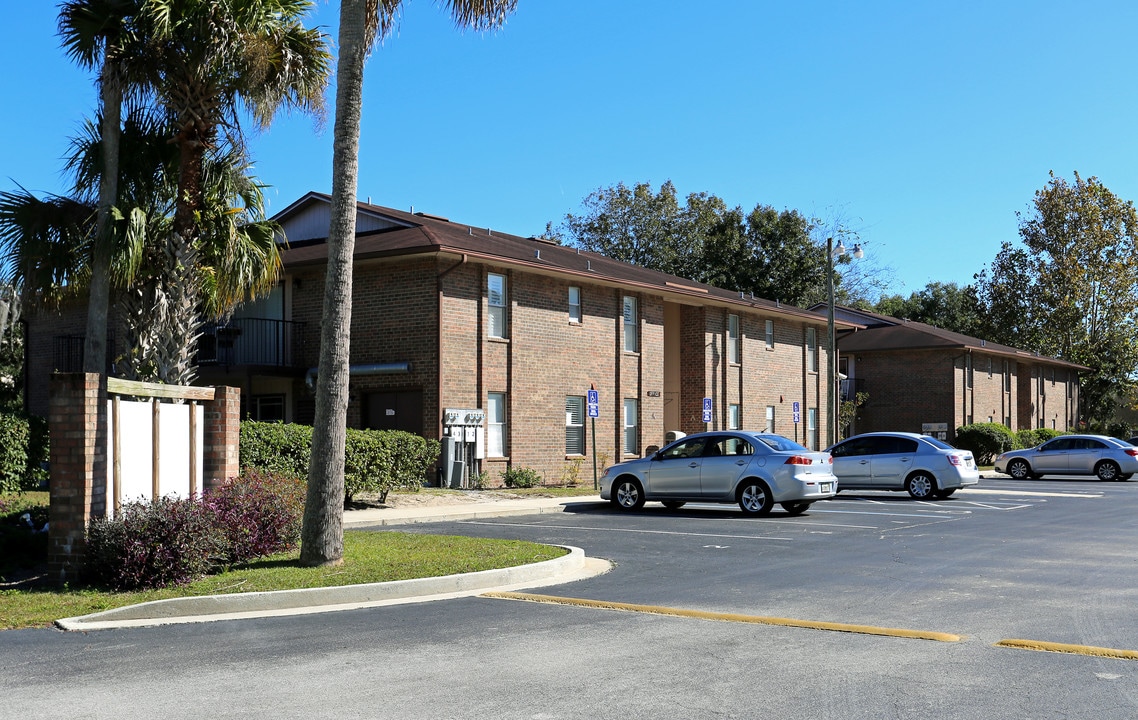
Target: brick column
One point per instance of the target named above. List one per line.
(222, 437)
(77, 422)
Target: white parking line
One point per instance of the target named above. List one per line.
(1029, 493)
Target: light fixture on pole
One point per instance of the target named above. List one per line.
(831, 344)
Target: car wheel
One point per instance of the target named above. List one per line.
(1019, 469)
(945, 494)
(755, 498)
(627, 494)
(796, 508)
(1108, 470)
(674, 504)
(921, 485)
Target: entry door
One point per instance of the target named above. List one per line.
(402, 410)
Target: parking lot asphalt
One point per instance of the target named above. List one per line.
(574, 566)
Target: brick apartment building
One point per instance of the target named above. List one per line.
(496, 340)
(920, 378)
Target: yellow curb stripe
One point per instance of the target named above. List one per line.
(1091, 650)
(728, 617)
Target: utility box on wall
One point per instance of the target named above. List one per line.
(464, 446)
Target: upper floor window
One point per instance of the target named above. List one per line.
(631, 339)
(811, 350)
(574, 304)
(496, 297)
(770, 419)
(734, 416)
(770, 334)
(968, 370)
(733, 339)
(1007, 377)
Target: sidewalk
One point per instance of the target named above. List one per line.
(573, 566)
(462, 509)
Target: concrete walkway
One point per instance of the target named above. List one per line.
(573, 566)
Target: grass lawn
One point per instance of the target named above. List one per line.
(368, 557)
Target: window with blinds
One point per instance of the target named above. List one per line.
(575, 425)
(496, 425)
(496, 299)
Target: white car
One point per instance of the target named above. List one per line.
(753, 469)
(922, 465)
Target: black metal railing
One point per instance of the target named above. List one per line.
(251, 341)
(67, 353)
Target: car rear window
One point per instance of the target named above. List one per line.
(778, 442)
(937, 443)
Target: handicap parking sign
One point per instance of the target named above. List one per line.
(707, 410)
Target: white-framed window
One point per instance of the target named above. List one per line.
(1008, 420)
(574, 304)
(733, 353)
(812, 428)
(631, 339)
(811, 350)
(496, 424)
(734, 416)
(631, 436)
(575, 425)
(496, 299)
(770, 419)
(770, 334)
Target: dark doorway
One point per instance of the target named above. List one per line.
(401, 410)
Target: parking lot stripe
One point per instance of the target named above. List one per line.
(728, 617)
(1091, 650)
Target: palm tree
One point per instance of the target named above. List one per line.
(362, 22)
(49, 242)
(96, 34)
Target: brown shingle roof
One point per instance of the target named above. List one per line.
(428, 234)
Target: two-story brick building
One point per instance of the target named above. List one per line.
(513, 332)
(920, 378)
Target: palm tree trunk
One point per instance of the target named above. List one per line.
(322, 534)
(95, 342)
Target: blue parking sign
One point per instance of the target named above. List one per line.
(796, 411)
(593, 401)
(707, 410)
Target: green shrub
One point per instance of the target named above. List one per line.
(378, 461)
(1038, 436)
(23, 452)
(276, 447)
(23, 532)
(521, 477)
(985, 440)
(375, 461)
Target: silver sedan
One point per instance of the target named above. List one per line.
(1105, 457)
(753, 469)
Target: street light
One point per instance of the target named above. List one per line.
(831, 360)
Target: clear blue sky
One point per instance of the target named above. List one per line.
(927, 126)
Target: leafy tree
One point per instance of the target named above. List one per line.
(943, 305)
(1071, 290)
(362, 22)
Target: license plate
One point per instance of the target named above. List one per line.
(826, 487)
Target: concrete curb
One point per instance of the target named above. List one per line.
(473, 511)
(572, 566)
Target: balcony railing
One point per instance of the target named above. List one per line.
(251, 341)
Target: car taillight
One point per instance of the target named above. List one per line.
(1132, 452)
(799, 460)
(955, 459)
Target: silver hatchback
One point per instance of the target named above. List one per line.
(924, 466)
(753, 469)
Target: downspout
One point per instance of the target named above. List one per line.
(439, 343)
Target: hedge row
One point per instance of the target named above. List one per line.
(23, 452)
(375, 461)
(987, 440)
